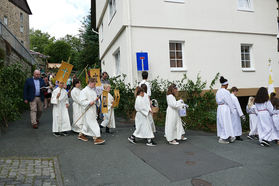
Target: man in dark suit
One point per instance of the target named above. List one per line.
(34, 96)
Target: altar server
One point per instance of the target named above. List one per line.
(275, 119)
(143, 126)
(77, 110)
(89, 99)
(173, 126)
(226, 106)
(144, 81)
(236, 115)
(253, 118)
(61, 121)
(109, 120)
(148, 104)
(265, 112)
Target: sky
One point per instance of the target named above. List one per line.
(58, 17)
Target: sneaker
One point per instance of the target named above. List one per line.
(132, 140)
(56, 134)
(98, 141)
(223, 141)
(256, 137)
(231, 139)
(184, 138)
(153, 142)
(250, 137)
(266, 143)
(64, 134)
(238, 138)
(173, 142)
(150, 144)
(262, 144)
(82, 137)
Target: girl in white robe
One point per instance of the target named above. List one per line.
(61, 121)
(148, 104)
(143, 126)
(236, 122)
(253, 118)
(265, 112)
(225, 130)
(89, 99)
(109, 120)
(173, 126)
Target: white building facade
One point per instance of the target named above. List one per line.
(233, 37)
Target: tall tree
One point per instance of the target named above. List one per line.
(58, 51)
(90, 41)
(39, 40)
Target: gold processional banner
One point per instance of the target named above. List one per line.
(64, 72)
(95, 73)
(86, 75)
(116, 98)
(105, 102)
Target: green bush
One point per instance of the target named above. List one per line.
(12, 79)
(201, 113)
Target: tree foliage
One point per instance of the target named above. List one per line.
(58, 51)
(40, 40)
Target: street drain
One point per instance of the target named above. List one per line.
(199, 182)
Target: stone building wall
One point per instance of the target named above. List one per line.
(13, 15)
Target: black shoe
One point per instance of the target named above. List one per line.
(132, 139)
(250, 137)
(152, 141)
(238, 138)
(108, 131)
(64, 134)
(56, 134)
(266, 143)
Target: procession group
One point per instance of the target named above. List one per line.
(263, 111)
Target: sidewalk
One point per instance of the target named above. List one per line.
(119, 162)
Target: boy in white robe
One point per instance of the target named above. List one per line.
(89, 99)
(173, 127)
(144, 81)
(236, 115)
(225, 130)
(61, 121)
(109, 120)
(143, 126)
(77, 110)
(275, 118)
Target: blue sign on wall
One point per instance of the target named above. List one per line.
(142, 61)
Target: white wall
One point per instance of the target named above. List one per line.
(208, 53)
(206, 14)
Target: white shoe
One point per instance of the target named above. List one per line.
(184, 138)
(173, 142)
(232, 139)
(223, 141)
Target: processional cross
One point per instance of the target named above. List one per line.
(64, 70)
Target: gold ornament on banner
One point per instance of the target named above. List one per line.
(116, 98)
(105, 102)
(95, 73)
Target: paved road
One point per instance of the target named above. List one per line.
(121, 163)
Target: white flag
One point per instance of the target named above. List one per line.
(270, 80)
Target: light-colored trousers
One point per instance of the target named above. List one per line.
(36, 109)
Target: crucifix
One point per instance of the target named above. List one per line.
(64, 70)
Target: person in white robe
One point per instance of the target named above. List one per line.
(236, 122)
(148, 104)
(61, 121)
(265, 111)
(143, 126)
(253, 119)
(89, 100)
(173, 125)
(144, 81)
(275, 118)
(77, 110)
(109, 119)
(225, 108)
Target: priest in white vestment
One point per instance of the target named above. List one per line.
(89, 100)
(61, 121)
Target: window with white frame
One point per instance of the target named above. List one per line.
(175, 1)
(5, 20)
(176, 54)
(117, 62)
(246, 60)
(112, 8)
(245, 4)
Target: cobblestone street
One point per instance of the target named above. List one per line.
(29, 171)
